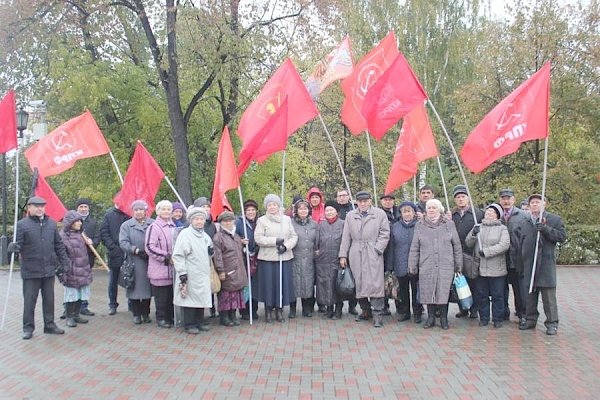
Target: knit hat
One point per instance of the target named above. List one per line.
(332, 203)
(407, 204)
(459, 189)
(201, 201)
(178, 206)
(194, 211)
(271, 198)
(497, 208)
(250, 203)
(225, 216)
(81, 201)
(139, 205)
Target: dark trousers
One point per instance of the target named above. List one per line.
(113, 287)
(491, 286)
(192, 317)
(549, 302)
(140, 307)
(408, 287)
(163, 300)
(514, 280)
(374, 304)
(31, 289)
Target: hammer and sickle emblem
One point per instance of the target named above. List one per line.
(60, 141)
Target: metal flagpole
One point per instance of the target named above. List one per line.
(247, 254)
(537, 240)
(372, 165)
(415, 189)
(112, 157)
(12, 255)
(281, 226)
(444, 183)
(174, 191)
(460, 168)
(337, 157)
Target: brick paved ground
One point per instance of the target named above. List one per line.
(110, 358)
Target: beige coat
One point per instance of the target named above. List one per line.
(495, 242)
(268, 229)
(364, 240)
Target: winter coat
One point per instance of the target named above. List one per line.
(327, 261)
(109, 235)
(90, 228)
(304, 258)
(79, 273)
(392, 216)
(495, 242)
(42, 250)
(345, 209)
(131, 237)
(268, 229)
(229, 258)
(553, 233)
(159, 244)
(190, 257)
(465, 223)
(317, 213)
(435, 254)
(364, 240)
(514, 221)
(401, 235)
(250, 227)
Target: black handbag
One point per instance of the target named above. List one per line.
(127, 274)
(344, 284)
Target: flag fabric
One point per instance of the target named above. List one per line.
(364, 75)
(520, 117)
(415, 144)
(284, 83)
(54, 207)
(141, 182)
(271, 139)
(395, 94)
(8, 122)
(226, 177)
(74, 140)
(336, 65)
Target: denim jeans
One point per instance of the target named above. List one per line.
(491, 286)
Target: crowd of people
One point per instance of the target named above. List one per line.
(186, 258)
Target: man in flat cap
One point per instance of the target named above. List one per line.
(364, 239)
(43, 255)
(551, 231)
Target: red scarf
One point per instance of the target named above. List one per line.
(331, 220)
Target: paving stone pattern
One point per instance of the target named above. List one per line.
(306, 358)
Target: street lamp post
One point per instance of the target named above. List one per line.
(22, 120)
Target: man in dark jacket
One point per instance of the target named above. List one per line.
(462, 215)
(512, 218)
(43, 255)
(551, 231)
(90, 228)
(426, 192)
(391, 211)
(109, 235)
(342, 198)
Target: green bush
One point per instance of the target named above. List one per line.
(582, 246)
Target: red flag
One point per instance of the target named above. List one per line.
(226, 177)
(141, 182)
(415, 144)
(54, 207)
(395, 94)
(364, 75)
(271, 139)
(74, 140)
(284, 83)
(336, 65)
(520, 117)
(8, 122)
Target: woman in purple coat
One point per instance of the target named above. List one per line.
(78, 277)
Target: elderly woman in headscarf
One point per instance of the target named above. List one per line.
(132, 241)
(435, 254)
(78, 277)
(491, 241)
(276, 238)
(304, 259)
(191, 260)
(159, 247)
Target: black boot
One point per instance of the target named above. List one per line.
(70, 313)
(279, 315)
(338, 311)
(268, 315)
(224, 317)
(329, 313)
(430, 316)
(76, 312)
(292, 313)
(233, 318)
(307, 308)
(444, 316)
(352, 307)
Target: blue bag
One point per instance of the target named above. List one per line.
(462, 289)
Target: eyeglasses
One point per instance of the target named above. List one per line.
(342, 195)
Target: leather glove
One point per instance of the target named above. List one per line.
(183, 278)
(281, 249)
(476, 230)
(481, 254)
(211, 251)
(540, 227)
(60, 274)
(167, 260)
(279, 242)
(13, 247)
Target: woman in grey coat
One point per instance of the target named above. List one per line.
(131, 239)
(304, 259)
(435, 254)
(491, 241)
